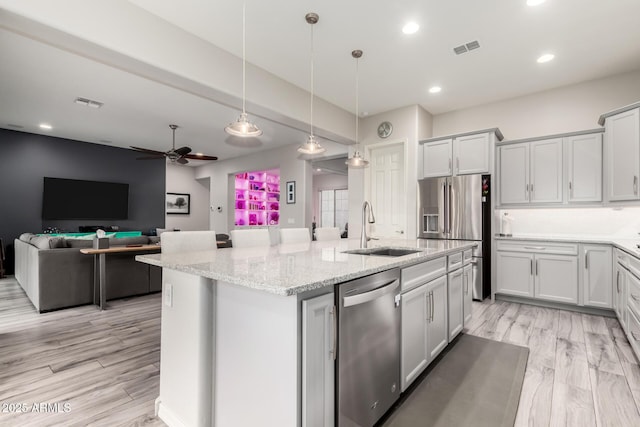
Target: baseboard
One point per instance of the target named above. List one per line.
(550, 304)
(166, 415)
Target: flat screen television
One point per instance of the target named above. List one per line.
(78, 199)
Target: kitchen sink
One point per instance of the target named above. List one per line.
(392, 252)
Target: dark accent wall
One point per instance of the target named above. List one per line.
(25, 159)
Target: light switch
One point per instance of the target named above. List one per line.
(168, 295)
(291, 221)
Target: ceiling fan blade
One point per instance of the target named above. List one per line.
(200, 157)
(150, 158)
(182, 151)
(146, 150)
(182, 161)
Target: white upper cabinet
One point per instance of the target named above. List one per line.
(545, 179)
(437, 158)
(460, 154)
(471, 154)
(514, 174)
(622, 134)
(584, 168)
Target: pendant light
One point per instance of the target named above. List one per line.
(357, 161)
(242, 126)
(311, 146)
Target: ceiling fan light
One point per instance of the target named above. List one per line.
(356, 161)
(243, 127)
(311, 146)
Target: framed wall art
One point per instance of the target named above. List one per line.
(290, 192)
(178, 204)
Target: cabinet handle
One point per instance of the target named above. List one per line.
(531, 265)
(535, 248)
(635, 185)
(618, 280)
(432, 305)
(570, 189)
(635, 297)
(586, 260)
(457, 164)
(334, 322)
(466, 283)
(449, 164)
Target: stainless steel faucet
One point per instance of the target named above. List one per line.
(363, 234)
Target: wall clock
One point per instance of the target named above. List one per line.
(385, 129)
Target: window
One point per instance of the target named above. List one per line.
(334, 208)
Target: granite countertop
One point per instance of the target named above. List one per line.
(627, 244)
(289, 269)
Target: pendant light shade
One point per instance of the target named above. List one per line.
(242, 127)
(357, 161)
(311, 146)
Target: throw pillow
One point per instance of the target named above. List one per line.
(25, 237)
(79, 243)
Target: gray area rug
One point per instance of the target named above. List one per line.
(477, 382)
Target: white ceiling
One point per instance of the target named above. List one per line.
(590, 39)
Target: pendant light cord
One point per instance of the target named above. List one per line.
(244, 55)
(311, 119)
(357, 101)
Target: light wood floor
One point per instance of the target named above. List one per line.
(581, 371)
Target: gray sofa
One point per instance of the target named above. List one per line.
(55, 274)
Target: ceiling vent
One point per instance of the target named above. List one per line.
(466, 47)
(11, 125)
(88, 102)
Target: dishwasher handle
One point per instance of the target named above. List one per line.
(371, 295)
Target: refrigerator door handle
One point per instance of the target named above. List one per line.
(449, 201)
(445, 204)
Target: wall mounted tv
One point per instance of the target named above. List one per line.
(78, 199)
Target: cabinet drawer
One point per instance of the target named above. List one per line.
(634, 265)
(455, 261)
(538, 247)
(633, 294)
(634, 333)
(466, 257)
(410, 277)
(622, 258)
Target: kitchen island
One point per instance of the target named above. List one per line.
(236, 340)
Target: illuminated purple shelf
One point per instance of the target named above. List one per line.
(257, 198)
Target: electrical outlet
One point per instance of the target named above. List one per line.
(168, 295)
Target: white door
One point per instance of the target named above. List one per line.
(437, 332)
(388, 192)
(437, 158)
(556, 278)
(471, 154)
(596, 274)
(622, 133)
(515, 273)
(584, 168)
(455, 296)
(514, 174)
(414, 353)
(545, 183)
(467, 294)
(318, 348)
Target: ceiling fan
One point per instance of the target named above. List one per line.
(176, 155)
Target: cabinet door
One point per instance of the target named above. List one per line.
(414, 353)
(584, 168)
(471, 154)
(514, 174)
(437, 332)
(437, 158)
(622, 133)
(545, 183)
(467, 294)
(455, 303)
(515, 273)
(596, 276)
(556, 278)
(618, 294)
(318, 362)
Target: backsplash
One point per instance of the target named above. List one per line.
(616, 222)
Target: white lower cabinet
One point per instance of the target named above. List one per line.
(455, 291)
(424, 328)
(318, 361)
(515, 273)
(556, 278)
(596, 276)
(619, 300)
(467, 294)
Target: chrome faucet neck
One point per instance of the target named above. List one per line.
(363, 233)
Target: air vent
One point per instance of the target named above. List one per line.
(11, 125)
(88, 102)
(466, 47)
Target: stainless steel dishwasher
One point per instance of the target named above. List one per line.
(368, 363)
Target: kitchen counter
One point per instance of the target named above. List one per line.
(289, 269)
(626, 244)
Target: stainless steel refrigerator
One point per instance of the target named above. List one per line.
(459, 208)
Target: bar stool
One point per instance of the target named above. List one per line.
(327, 233)
(250, 238)
(187, 241)
(294, 235)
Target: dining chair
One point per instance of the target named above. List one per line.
(250, 238)
(294, 235)
(187, 241)
(327, 233)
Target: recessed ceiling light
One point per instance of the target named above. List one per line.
(535, 2)
(318, 170)
(410, 28)
(545, 58)
(45, 126)
(435, 89)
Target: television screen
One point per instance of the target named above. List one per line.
(78, 199)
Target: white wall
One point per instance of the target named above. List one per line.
(293, 167)
(331, 181)
(565, 109)
(181, 179)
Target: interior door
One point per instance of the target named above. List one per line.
(388, 192)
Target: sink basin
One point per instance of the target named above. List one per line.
(392, 252)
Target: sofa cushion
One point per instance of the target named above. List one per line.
(79, 243)
(140, 240)
(26, 237)
(47, 242)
